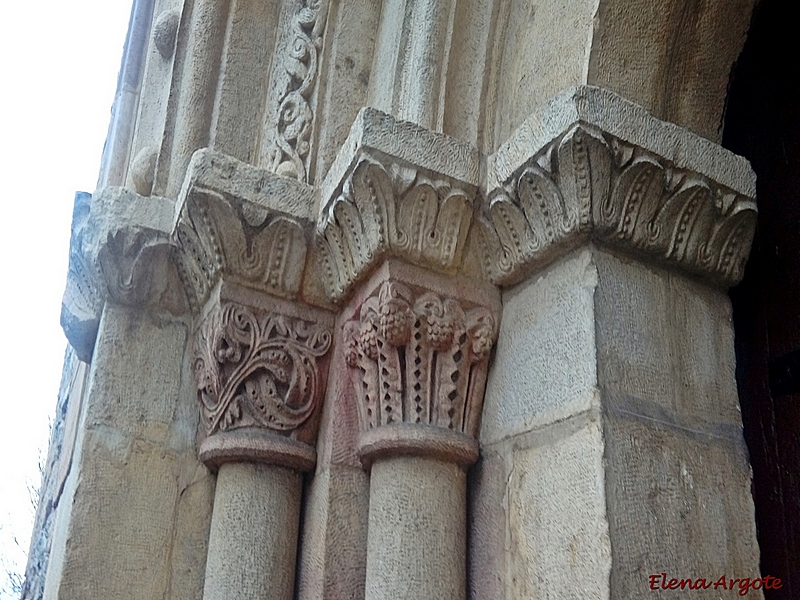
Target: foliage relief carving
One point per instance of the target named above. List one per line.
(419, 359)
(258, 370)
(250, 244)
(398, 211)
(589, 183)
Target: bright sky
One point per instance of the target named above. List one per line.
(58, 62)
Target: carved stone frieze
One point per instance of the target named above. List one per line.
(587, 183)
(419, 361)
(259, 376)
(392, 210)
(226, 228)
(295, 77)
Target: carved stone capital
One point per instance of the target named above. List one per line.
(119, 251)
(260, 372)
(241, 224)
(419, 359)
(692, 210)
(395, 190)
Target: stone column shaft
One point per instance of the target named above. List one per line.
(411, 60)
(419, 364)
(416, 544)
(253, 541)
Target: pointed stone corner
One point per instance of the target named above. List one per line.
(245, 225)
(418, 351)
(688, 204)
(399, 190)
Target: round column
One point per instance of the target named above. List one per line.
(416, 545)
(253, 541)
(420, 361)
(259, 383)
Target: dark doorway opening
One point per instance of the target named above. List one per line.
(762, 123)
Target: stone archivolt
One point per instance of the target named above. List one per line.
(259, 369)
(587, 183)
(293, 116)
(418, 359)
(394, 210)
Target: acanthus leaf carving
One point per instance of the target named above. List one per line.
(119, 251)
(255, 246)
(419, 359)
(400, 212)
(259, 369)
(128, 261)
(590, 183)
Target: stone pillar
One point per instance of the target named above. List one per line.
(134, 473)
(417, 529)
(417, 334)
(260, 357)
(194, 103)
(411, 60)
(611, 426)
(253, 539)
(259, 387)
(419, 352)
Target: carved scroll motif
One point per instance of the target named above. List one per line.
(589, 183)
(293, 117)
(258, 370)
(399, 212)
(419, 359)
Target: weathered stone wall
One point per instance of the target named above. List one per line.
(331, 213)
(53, 493)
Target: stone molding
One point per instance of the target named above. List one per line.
(588, 183)
(246, 243)
(395, 190)
(419, 361)
(260, 376)
(119, 251)
(573, 173)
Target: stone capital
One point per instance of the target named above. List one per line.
(119, 252)
(260, 365)
(632, 182)
(418, 347)
(395, 190)
(243, 225)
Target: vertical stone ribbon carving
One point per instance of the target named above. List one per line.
(293, 116)
(419, 360)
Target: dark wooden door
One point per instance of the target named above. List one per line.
(762, 123)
